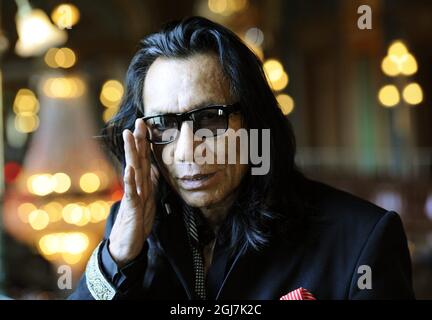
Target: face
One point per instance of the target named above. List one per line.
(180, 85)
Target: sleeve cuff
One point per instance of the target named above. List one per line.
(105, 279)
(100, 288)
(125, 277)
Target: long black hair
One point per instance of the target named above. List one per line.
(268, 205)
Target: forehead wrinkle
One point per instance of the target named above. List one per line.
(207, 85)
(188, 83)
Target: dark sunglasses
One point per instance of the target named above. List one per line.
(165, 128)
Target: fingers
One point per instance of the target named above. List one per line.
(130, 149)
(131, 155)
(143, 149)
(137, 154)
(130, 191)
(132, 158)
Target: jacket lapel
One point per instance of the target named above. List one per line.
(264, 274)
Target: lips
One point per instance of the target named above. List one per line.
(199, 176)
(196, 181)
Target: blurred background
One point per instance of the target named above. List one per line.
(359, 100)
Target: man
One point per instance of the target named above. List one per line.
(186, 229)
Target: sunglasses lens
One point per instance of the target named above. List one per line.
(162, 129)
(212, 122)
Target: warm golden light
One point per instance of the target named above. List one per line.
(40, 184)
(399, 61)
(286, 103)
(237, 5)
(103, 178)
(60, 58)
(409, 66)
(49, 58)
(25, 102)
(276, 75)
(388, 96)
(50, 244)
(109, 113)
(38, 219)
(389, 67)
(71, 258)
(99, 211)
(65, 15)
(89, 182)
(24, 211)
(26, 123)
(64, 88)
(218, 6)
(26, 107)
(35, 32)
(281, 83)
(273, 70)
(397, 49)
(111, 93)
(78, 86)
(54, 210)
(227, 7)
(58, 88)
(413, 94)
(72, 213)
(65, 58)
(112, 90)
(70, 245)
(62, 182)
(75, 242)
(85, 216)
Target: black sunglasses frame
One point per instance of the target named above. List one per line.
(181, 117)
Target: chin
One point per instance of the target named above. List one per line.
(200, 198)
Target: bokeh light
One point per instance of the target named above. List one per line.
(286, 103)
(60, 58)
(89, 182)
(65, 15)
(388, 96)
(413, 94)
(38, 219)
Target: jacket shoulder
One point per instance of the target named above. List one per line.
(342, 216)
(333, 203)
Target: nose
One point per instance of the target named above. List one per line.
(184, 144)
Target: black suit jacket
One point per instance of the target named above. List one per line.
(357, 242)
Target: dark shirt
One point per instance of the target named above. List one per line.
(123, 278)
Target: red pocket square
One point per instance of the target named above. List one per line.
(298, 294)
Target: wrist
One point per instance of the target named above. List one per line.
(121, 255)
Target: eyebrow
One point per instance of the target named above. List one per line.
(196, 106)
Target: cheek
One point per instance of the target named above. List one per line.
(159, 151)
(234, 174)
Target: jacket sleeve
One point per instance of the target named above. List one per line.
(383, 269)
(103, 280)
